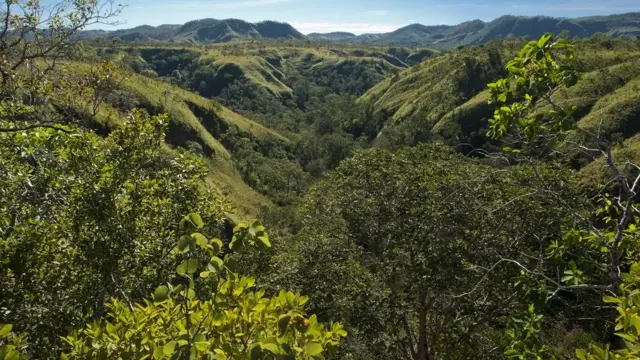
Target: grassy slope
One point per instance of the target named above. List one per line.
(261, 64)
(608, 97)
(264, 64)
(445, 89)
(161, 97)
(436, 87)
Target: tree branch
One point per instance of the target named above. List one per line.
(32, 127)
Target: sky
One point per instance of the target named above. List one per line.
(359, 16)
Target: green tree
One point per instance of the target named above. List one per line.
(84, 218)
(233, 321)
(34, 38)
(424, 223)
(594, 252)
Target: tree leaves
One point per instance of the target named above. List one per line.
(169, 348)
(5, 329)
(187, 267)
(234, 312)
(543, 67)
(313, 348)
(161, 293)
(193, 221)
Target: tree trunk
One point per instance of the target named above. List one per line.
(423, 352)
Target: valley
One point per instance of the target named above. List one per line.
(227, 189)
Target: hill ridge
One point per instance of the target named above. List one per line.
(472, 32)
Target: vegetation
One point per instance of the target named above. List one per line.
(473, 32)
(474, 203)
(235, 322)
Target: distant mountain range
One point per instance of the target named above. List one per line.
(203, 31)
(438, 36)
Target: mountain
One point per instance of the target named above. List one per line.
(139, 33)
(480, 32)
(202, 31)
(436, 36)
(332, 36)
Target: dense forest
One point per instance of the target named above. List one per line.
(280, 198)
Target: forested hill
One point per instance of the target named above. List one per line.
(439, 36)
(479, 32)
(203, 31)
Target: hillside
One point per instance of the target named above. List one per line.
(267, 78)
(196, 122)
(449, 90)
(332, 36)
(441, 37)
(445, 97)
(478, 32)
(246, 105)
(202, 31)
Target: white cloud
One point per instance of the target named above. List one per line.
(348, 27)
(378, 12)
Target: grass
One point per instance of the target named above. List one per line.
(597, 172)
(265, 65)
(431, 89)
(247, 202)
(451, 87)
(178, 103)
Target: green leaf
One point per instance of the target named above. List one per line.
(158, 353)
(265, 241)
(185, 244)
(544, 40)
(161, 293)
(200, 240)
(217, 245)
(273, 348)
(191, 294)
(187, 267)
(12, 355)
(255, 352)
(217, 262)
(196, 220)
(283, 322)
(236, 243)
(271, 344)
(313, 348)
(627, 337)
(169, 348)
(193, 220)
(5, 329)
(611, 300)
(201, 343)
(511, 352)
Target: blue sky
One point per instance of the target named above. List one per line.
(359, 16)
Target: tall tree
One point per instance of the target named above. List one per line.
(429, 222)
(599, 247)
(34, 38)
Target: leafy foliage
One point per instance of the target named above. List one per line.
(424, 231)
(102, 205)
(538, 73)
(534, 76)
(232, 321)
